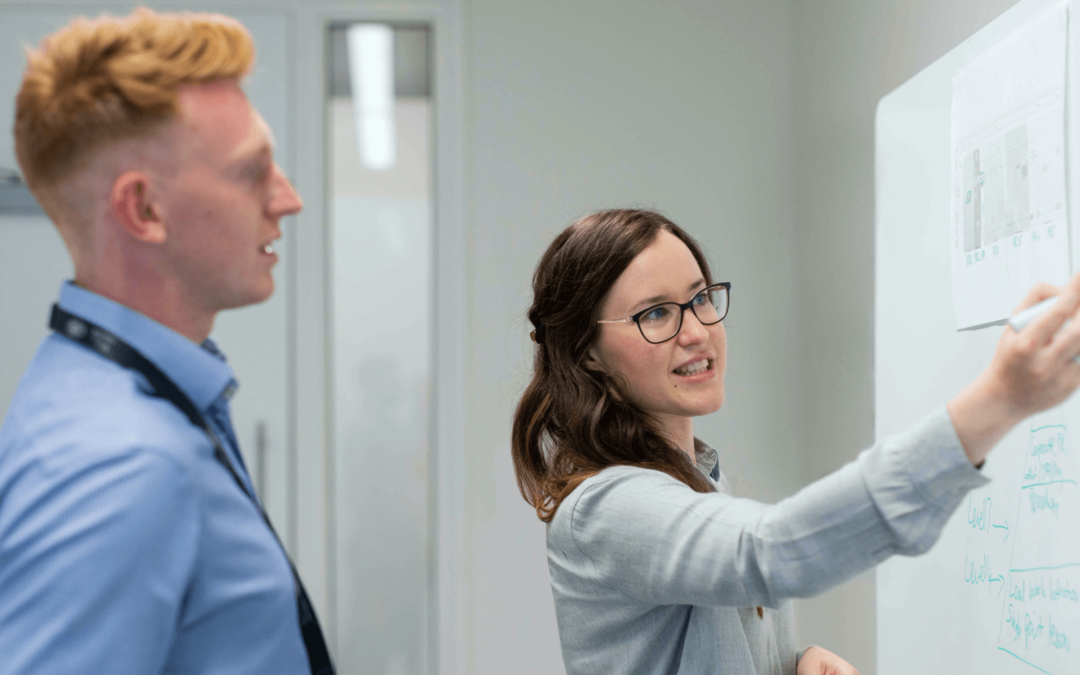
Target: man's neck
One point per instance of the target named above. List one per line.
(159, 301)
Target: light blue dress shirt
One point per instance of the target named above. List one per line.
(125, 546)
(650, 577)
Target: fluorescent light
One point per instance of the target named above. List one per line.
(371, 74)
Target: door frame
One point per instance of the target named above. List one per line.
(312, 374)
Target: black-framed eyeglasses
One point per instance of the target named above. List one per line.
(659, 323)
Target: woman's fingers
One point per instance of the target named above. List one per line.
(1039, 292)
(1035, 368)
(1044, 327)
(820, 661)
(1065, 345)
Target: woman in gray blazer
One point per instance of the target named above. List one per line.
(654, 566)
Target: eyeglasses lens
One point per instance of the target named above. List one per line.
(718, 299)
(663, 321)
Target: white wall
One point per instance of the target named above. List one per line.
(848, 54)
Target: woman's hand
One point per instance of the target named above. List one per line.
(818, 661)
(1031, 371)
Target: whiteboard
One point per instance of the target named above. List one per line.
(1000, 591)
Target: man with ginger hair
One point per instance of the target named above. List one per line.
(131, 539)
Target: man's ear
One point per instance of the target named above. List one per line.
(134, 209)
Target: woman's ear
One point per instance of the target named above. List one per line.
(612, 381)
(592, 361)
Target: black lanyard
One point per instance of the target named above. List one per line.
(116, 350)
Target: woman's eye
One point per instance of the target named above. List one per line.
(656, 314)
(699, 299)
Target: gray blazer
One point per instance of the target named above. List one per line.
(652, 577)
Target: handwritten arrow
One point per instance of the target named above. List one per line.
(1004, 527)
(1002, 580)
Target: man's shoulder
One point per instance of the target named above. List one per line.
(70, 401)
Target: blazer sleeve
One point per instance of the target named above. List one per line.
(661, 543)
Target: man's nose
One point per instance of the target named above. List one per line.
(284, 201)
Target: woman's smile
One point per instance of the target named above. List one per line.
(699, 370)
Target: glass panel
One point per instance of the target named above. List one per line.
(381, 286)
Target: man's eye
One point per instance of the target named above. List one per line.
(258, 173)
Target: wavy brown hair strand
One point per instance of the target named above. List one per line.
(571, 421)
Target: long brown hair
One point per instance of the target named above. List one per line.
(570, 422)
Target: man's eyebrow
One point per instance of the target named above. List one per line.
(663, 298)
(248, 159)
(241, 160)
(264, 145)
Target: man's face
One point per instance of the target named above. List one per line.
(222, 203)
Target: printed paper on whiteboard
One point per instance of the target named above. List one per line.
(1009, 226)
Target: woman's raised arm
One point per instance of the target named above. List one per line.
(1031, 370)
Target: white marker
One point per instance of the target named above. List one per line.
(1025, 316)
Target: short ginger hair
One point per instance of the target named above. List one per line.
(96, 82)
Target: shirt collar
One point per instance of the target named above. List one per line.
(706, 459)
(708, 464)
(200, 371)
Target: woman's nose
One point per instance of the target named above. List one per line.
(692, 329)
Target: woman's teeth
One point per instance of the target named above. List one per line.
(694, 368)
(269, 248)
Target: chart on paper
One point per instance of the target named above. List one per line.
(1009, 217)
(1012, 184)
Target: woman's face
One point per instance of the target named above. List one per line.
(653, 375)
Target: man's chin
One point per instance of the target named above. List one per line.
(261, 297)
(254, 297)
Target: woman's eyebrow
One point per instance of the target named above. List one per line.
(661, 298)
